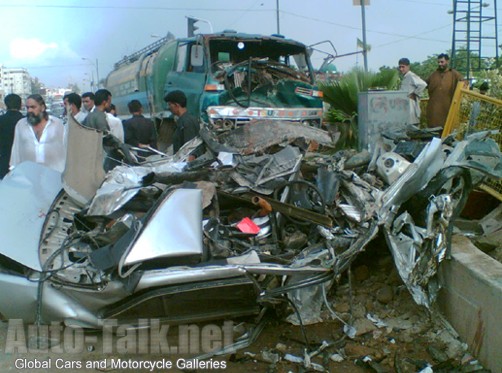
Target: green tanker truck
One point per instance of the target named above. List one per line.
(229, 79)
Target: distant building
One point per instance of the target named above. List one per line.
(14, 80)
(327, 72)
(56, 94)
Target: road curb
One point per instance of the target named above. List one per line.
(471, 300)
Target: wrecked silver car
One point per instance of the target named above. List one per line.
(268, 217)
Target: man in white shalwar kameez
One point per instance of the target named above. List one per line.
(414, 86)
(39, 137)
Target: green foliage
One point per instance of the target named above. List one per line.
(338, 116)
(342, 97)
(388, 79)
(494, 79)
(36, 86)
(459, 62)
(74, 87)
(425, 68)
(342, 94)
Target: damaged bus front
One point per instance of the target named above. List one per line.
(229, 79)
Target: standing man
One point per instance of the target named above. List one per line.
(441, 86)
(74, 102)
(87, 103)
(187, 126)
(7, 125)
(112, 110)
(97, 118)
(115, 124)
(138, 130)
(414, 86)
(39, 137)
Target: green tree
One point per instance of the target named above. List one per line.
(342, 97)
(74, 87)
(425, 68)
(37, 86)
(459, 62)
(494, 79)
(385, 68)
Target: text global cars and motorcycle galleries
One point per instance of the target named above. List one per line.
(146, 336)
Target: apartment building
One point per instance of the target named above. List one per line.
(14, 80)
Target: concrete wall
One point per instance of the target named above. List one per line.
(471, 300)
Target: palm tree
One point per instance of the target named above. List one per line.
(342, 97)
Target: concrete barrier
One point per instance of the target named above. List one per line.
(471, 300)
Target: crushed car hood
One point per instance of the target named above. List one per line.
(26, 195)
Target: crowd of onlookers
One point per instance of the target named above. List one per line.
(41, 137)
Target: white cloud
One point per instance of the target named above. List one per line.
(65, 51)
(29, 48)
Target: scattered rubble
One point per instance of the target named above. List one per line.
(399, 336)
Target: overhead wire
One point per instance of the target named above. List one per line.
(423, 2)
(244, 12)
(368, 30)
(132, 7)
(414, 37)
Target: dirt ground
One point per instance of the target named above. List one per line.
(408, 339)
(400, 337)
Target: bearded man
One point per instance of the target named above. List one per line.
(39, 137)
(441, 86)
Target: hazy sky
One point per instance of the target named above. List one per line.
(50, 37)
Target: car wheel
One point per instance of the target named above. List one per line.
(453, 181)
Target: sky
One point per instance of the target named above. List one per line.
(68, 41)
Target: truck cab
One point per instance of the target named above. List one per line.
(229, 79)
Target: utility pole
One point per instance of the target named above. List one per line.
(97, 73)
(97, 69)
(365, 52)
(277, 16)
(363, 4)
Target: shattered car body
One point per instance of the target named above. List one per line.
(257, 222)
